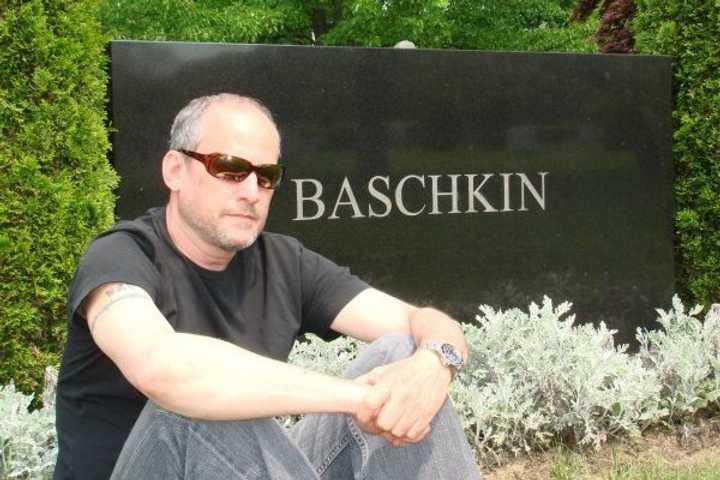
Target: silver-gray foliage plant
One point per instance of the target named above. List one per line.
(534, 378)
(685, 354)
(28, 445)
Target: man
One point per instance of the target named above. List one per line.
(195, 310)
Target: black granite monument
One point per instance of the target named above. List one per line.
(451, 178)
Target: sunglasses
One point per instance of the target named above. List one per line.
(228, 167)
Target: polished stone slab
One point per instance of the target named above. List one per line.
(451, 178)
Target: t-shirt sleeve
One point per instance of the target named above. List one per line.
(113, 258)
(326, 289)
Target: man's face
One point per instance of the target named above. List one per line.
(224, 213)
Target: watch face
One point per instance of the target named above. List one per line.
(452, 356)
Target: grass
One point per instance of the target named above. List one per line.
(660, 455)
(574, 466)
(710, 471)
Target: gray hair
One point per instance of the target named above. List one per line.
(184, 132)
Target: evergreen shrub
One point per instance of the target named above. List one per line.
(690, 33)
(368, 23)
(521, 25)
(55, 181)
(226, 21)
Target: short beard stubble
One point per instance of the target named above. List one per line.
(211, 232)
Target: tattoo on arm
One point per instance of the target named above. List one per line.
(116, 293)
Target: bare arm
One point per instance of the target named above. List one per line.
(373, 313)
(203, 377)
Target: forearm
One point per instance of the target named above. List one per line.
(202, 377)
(429, 324)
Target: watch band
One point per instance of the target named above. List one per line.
(449, 355)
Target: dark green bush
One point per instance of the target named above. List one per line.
(369, 23)
(690, 33)
(55, 181)
(522, 25)
(541, 25)
(255, 21)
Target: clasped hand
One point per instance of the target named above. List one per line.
(403, 398)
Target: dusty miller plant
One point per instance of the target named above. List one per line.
(28, 446)
(685, 353)
(330, 357)
(312, 353)
(536, 378)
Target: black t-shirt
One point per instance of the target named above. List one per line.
(269, 294)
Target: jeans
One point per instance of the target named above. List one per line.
(164, 446)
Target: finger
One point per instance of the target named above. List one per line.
(405, 423)
(365, 416)
(394, 441)
(417, 436)
(416, 430)
(367, 427)
(371, 404)
(389, 415)
(376, 398)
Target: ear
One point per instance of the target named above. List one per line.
(173, 170)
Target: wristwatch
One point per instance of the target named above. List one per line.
(449, 355)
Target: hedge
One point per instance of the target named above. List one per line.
(689, 31)
(55, 181)
(207, 21)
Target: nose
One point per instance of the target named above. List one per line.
(248, 190)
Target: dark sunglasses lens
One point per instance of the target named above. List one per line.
(270, 176)
(224, 164)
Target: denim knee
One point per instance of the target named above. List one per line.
(384, 350)
(395, 346)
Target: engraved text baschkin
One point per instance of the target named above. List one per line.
(412, 195)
